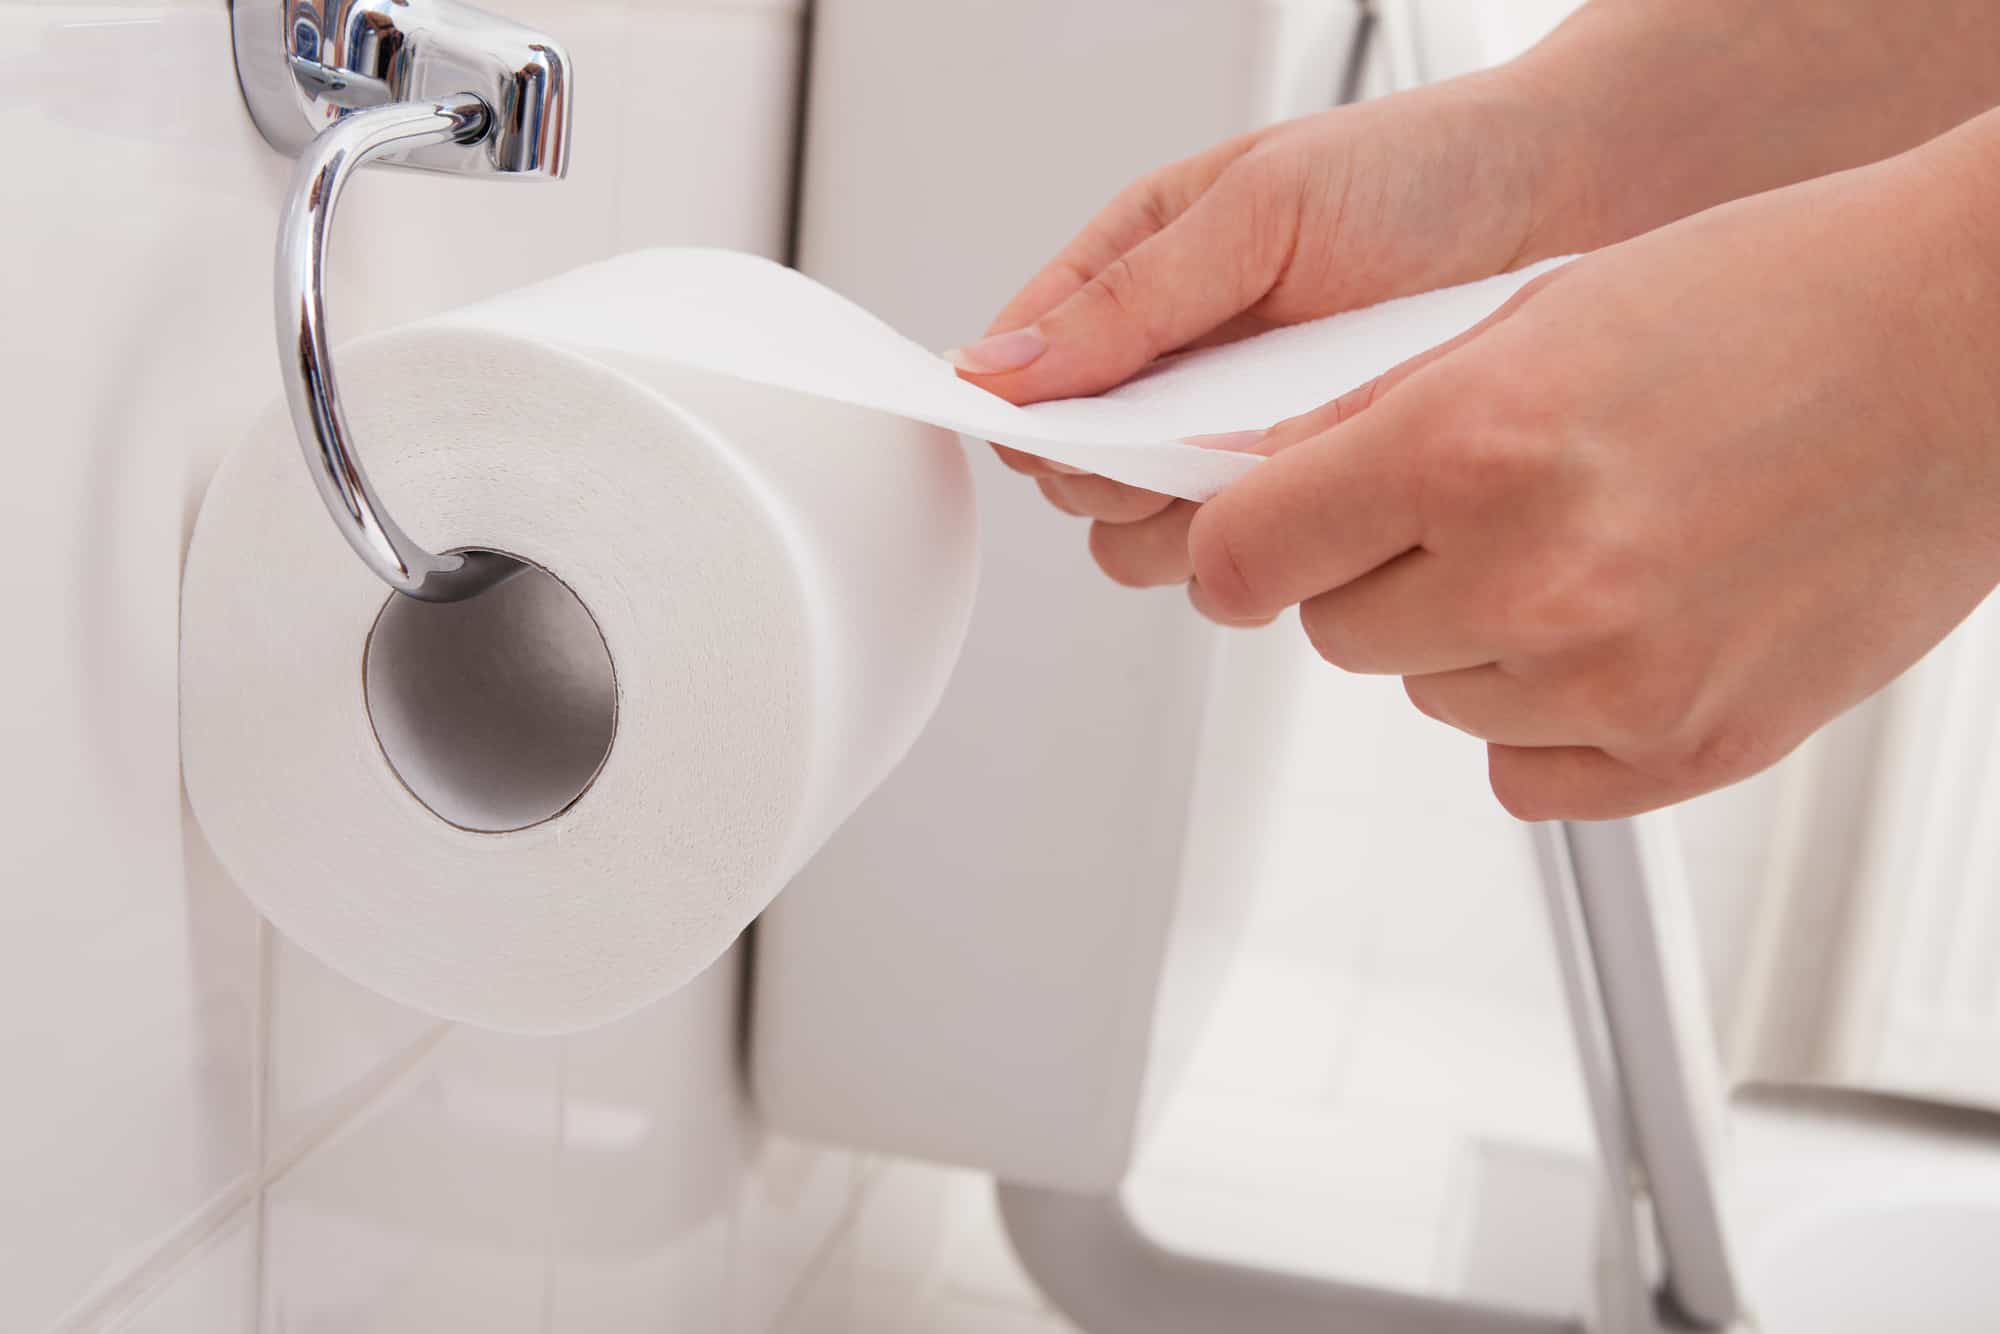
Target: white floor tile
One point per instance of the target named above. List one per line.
(1279, 1030)
(979, 1262)
(924, 1251)
(1487, 1071)
(1300, 1186)
(654, 1148)
(963, 1317)
(1525, 1229)
(213, 1291)
(432, 1211)
(1392, 1006)
(788, 1213)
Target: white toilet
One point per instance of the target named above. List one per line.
(1858, 1215)
(1775, 1211)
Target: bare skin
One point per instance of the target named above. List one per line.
(1679, 503)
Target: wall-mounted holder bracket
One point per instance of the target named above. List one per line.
(431, 84)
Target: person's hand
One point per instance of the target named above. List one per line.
(1674, 507)
(1335, 211)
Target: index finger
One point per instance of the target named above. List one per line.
(1138, 211)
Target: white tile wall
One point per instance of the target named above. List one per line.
(177, 1075)
(325, 1038)
(128, 985)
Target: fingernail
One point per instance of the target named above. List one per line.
(1241, 442)
(999, 352)
(1200, 601)
(1034, 465)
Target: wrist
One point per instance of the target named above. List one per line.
(1648, 111)
(1943, 199)
(1529, 108)
(1513, 196)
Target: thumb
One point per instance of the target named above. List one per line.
(1210, 264)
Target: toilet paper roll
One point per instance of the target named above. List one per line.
(754, 545)
(779, 584)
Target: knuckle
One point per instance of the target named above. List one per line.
(1578, 590)
(1148, 198)
(1698, 761)
(1731, 751)
(1264, 184)
(1663, 723)
(1265, 189)
(1495, 435)
(1267, 166)
(1118, 288)
(1658, 711)
(1642, 709)
(1353, 403)
(1294, 430)
(1478, 466)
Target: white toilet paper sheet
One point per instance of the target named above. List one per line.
(747, 482)
(740, 315)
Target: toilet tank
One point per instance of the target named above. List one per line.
(1000, 959)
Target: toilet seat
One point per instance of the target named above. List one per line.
(1861, 1213)
(1781, 1210)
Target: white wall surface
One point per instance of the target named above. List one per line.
(200, 1124)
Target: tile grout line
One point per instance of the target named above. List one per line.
(124, 1297)
(117, 1301)
(858, 1189)
(121, 1298)
(552, 1244)
(260, 1107)
(353, 1103)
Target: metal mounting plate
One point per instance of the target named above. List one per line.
(302, 64)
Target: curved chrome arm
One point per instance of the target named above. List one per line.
(310, 390)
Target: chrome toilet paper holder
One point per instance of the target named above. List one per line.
(431, 84)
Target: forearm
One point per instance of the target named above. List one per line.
(1657, 109)
(1940, 201)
